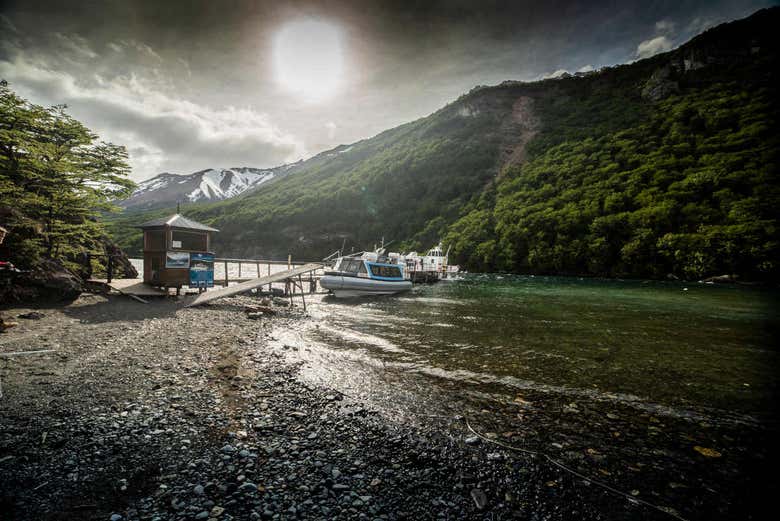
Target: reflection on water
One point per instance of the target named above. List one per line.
(666, 344)
(623, 380)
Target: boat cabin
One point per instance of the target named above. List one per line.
(435, 259)
(357, 267)
(177, 252)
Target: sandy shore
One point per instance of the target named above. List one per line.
(158, 412)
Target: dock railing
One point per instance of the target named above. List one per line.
(235, 270)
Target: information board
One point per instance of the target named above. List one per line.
(201, 270)
(175, 259)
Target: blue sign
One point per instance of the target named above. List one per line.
(201, 270)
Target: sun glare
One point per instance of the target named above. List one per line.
(308, 59)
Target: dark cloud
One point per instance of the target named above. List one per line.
(190, 85)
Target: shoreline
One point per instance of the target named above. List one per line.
(159, 412)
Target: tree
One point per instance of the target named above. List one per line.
(56, 178)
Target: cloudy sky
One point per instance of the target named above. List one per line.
(193, 85)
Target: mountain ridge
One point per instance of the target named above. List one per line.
(418, 182)
(211, 184)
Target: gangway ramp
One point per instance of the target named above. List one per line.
(241, 287)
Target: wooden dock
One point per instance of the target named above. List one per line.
(255, 283)
(233, 271)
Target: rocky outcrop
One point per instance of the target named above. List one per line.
(520, 128)
(52, 280)
(661, 84)
(49, 280)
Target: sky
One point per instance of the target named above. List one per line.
(192, 85)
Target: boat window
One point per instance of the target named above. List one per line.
(362, 268)
(386, 271)
(351, 265)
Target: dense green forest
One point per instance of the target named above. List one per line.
(663, 166)
(691, 191)
(56, 180)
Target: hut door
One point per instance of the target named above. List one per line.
(156, 265)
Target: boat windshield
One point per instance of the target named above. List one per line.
(352, 266)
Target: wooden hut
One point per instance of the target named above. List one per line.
(171, 245)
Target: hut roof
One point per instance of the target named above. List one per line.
(177, 221)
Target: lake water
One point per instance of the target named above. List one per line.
(693, 347)
(639, 372)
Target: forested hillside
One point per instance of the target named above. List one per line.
(664, 166)
(691, 191)
(689, 188)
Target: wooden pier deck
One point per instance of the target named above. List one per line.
(254, 283)
(233, 271)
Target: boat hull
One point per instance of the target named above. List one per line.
(344, 287)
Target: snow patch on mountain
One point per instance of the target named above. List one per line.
(213, 184)
(156, 183)
(222, 184)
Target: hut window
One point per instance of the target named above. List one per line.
(155, 240)
(188, 240)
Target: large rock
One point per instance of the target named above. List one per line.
(49, 280)
(660, 85)
(122, 267)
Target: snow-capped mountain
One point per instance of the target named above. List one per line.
(207, 185)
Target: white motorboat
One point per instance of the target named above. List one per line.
(432, 266)
(367, 274)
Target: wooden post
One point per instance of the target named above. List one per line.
(239, 269)
(258, 269)
(303, 293)
(109, 268)
(269, 274)
(227, 281)
(289, 262)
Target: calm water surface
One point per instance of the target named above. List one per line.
(663, 389)
(676, 347)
